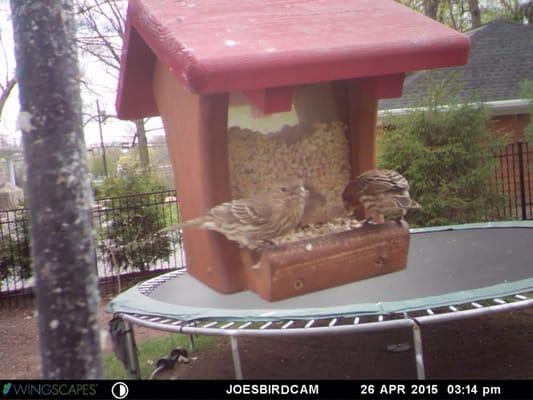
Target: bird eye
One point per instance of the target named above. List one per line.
(284, 189)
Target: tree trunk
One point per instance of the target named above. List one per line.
(475, 13)
(58, 189)
(527, 11)
(431, 7)
(144, 157)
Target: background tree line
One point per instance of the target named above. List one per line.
(101, 31)
(464, 15)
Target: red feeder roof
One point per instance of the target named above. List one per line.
(246, 45)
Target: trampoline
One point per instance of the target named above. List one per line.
(453, 272)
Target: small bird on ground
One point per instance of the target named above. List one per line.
(257, 219)
(380, 191)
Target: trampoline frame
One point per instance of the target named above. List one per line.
(306, 327)
(413, 319)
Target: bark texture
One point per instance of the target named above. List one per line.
(58, 188)
(475, 13)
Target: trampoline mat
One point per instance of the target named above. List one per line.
(445, 266)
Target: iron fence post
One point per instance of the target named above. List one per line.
(522, 180)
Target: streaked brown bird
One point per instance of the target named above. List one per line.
(255, 220)
(380, 191)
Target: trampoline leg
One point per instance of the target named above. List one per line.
(191, 343)
(236, 357)
(419, 355)
(131, 350)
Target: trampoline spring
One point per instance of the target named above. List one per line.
(227, 325)
(430, 311)
(333, 322)
(245, 325)
(380, 318)
(453, 308)
(499, 301)
(477, 305)
(520, 297)
(287, 324)
(266, 325)
(147, 286)
(210, 324)
(165, 321)
(356, 320)
(144, 316)
(309, 324)
(176, 323)
(155, 319)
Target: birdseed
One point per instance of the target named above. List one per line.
(319, 154)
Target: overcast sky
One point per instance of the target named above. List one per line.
(113, 130)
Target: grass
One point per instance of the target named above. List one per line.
(152, 350)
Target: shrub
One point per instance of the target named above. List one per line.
(15, 258)
(129, 237)
(447, 157)
(96, 162)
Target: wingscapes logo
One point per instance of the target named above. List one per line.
(6, 389)
(64, 390)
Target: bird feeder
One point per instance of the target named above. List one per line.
(253, 92)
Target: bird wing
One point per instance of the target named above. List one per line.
(381, 181)
(247, 212)
(403, 201)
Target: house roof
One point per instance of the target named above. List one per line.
(245, 45)
(500, 58)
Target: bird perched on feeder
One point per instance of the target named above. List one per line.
(257, 219)
(380, 191)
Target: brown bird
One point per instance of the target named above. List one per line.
(256, 219)
(380, 191)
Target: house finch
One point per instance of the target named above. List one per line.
(256, 219)
(380, 191)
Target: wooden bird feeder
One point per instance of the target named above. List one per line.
(252, 92)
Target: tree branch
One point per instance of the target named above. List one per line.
(6, 92)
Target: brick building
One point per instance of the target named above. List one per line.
(501, 57)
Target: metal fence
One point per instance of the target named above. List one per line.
(513, 179)
(128, 246)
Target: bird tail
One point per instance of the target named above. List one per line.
(414, 204)
(186, 224)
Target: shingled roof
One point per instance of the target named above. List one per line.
(501, 57)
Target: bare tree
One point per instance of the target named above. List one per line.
(100, 36)
(7, 80)
(417, 5)
(461, 15)
(519, 10)
(525, 11)
(475, 13)
(440, 10)
(58, 189)
(5, 91)
(431, 8)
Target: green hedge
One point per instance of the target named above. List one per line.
(447, 157)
